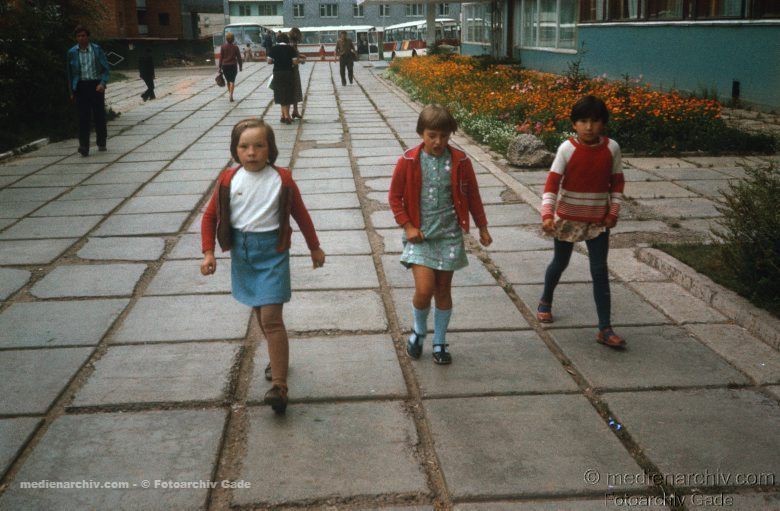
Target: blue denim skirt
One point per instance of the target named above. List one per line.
(259, 274)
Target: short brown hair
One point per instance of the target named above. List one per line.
(79, 29)
(436, 117)
(229, 37)
(253, 122)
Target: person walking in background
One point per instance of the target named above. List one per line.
(146, 71)
(268, 41)
(345, 51)
(87, 73)
(432, 192)
(588, 173)
(295, 38)
(283, 57)
(230, 62)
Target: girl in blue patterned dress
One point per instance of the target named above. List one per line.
(432, 192)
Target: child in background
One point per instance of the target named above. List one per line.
(588, 172)
(432, 192)
(249, 214)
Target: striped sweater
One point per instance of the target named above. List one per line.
(590, 181)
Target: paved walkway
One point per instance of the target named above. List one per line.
(122, 365)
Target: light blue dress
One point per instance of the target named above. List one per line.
(442, 247)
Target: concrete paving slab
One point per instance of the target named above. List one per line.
(339, 272)
(51, 227)
(524, 445)
(493, 363)
(110, 191)
(154, 446)
(681, 208)
(316, 201)
(160, 373)
(378, 160)
(529, 267)
(324, 153)
(678, 303)
(475, 274)
(337, 219)
(642, 226)
(657, 356)
(306, 174)
(89, 280)
(118, 176)
(371, 455)
(153, 223)
(32, 379)
(360, 310)
(380, 376)
(30, 194)
(159, 204)
(49, 180)
(33, 251)
(319, 162)
(629, 269)
(379, 184)
(18, 209)
(78, 207)
(173, 188)
(705, 431)
(488, 181)
(183, 277)
(148, 167)
(720, 161)
(391, 239)
(742, 350)
(128, 249)
(656, 189)
(510, 239)
(511, 214)
(689, 173)
(189, 247)
(475, 308)
(14, 433)
(334, 243)
(181, 176)
(184, 318)
(711, 189)
(573, 305)
(11, 280)
(146, 156)
(319, 186)
(384, 219)
(702, 226)
(57, 323)
(657, 163)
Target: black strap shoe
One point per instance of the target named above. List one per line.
(414, 345)
(442, 357)
(268, 372)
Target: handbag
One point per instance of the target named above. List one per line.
(220, 79)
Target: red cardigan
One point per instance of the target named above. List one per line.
(406, 185)
(216, 219)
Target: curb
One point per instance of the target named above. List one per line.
(26, 148)
(756, 321)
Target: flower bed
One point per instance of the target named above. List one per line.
(495, 102)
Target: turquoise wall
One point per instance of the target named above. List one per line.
(473, 50)
(683, 57)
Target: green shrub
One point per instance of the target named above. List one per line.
(750, 229)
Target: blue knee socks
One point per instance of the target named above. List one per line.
(441, 320)
(421, 320)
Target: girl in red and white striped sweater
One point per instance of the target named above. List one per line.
(587, 172)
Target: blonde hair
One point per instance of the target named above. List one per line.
(253, 122)
(229, 37)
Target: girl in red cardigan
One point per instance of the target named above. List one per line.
(432, 192)
(249, 214)
(588, 172)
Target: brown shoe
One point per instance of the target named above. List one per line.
(544, 312)
(276, 398)
(609, 338)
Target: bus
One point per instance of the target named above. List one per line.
(405, 38)
(245, 33)
(320, 42)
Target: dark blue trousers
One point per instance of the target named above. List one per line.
(598, 248)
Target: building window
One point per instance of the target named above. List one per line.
(384, 10)
(766, 9)
(655, 10)
(298, 10)
(164, 19)
(329, 10)
(548, 24)
(240, 9)
(665, 9)
(415, 10)
(477, 24)
(720, 9)
(443, 10)
(268, 9)
(357, 11)
(623, 9)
